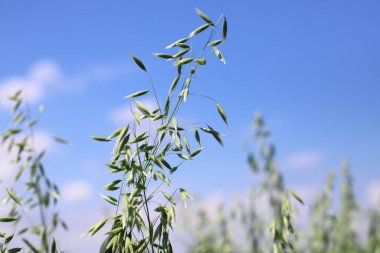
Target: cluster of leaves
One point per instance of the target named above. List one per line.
(328, 231)
(143, 160)
(322, 219)
(36, 193)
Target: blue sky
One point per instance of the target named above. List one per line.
(310, 67)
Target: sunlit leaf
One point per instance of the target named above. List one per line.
(199, 30)
(222, 113)
(137, 94)
(204, 17)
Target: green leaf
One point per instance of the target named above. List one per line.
(115, 134)
(181, 53)
(197, 137)
(94, 229)
(164, 56)
(14, 250)
(113, 185)
(204, 17)
(196, 152)
(53, 247)
(215, 43)
(97, 138)
(137, 94)
(169, 198)
(214, 133)
(187, 145)
(140, 137)
(184, 195)
(185, 157)
(116, 231)
(138, 62)
(219, 54)
(180, 41)
(174, 84)
(225, 28)
(183, 61)
(8, 239)
(297, 197)
(60, 140)
(14, 197)
(110, 199)
(184, 93)
(143, 109)
(201, 61)
(8, 219)
(199, 30)
(30, 245)
(222, 113)
(142, 245)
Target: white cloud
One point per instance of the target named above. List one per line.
(373, 193)
(76, 191)
(45, 75)
(303, 160)
(41, 76)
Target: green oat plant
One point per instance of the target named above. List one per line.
(143, 160)
(36, 194)
(322, 220)
(282, 230)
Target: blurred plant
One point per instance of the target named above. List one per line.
(374, 232)
(281, 227)
(212, 236)
(252, 226)
(144, 159)
(322, 220)
(39, 192)
(344, 237)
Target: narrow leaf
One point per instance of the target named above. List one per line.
(222, 113)
(60, 140)
(174, 84)
(224, 28)
(196, 152)
(180, 41)
(297, 197)
(204, 17)
(14, 197)
(184, 61)
(97, 138)
(164, 56)
(215, 43)
(138, 62)
(219, 55)
(8, 219)
(143, 109)
(199, 30)
(137, 94)
(184, 195)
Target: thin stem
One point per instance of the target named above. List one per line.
(38, 185)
